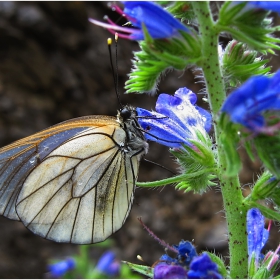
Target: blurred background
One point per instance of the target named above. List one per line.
(54, 65)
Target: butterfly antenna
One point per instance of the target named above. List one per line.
(159, 165)
(115, 73)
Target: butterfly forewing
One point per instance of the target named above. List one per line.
(73, 182)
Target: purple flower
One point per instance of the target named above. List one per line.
(159, 23)
(108, 265)
(169, 271)
(257, 234)
(266, 5)
(59, 269)
(202, 267)
(177, 120)
(249, 104)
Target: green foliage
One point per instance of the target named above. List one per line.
(265, 187)
(182, 10)
(268, 147)
(240, 63)
(250, 26)
(229, 139)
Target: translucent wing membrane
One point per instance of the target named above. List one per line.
(73, 182)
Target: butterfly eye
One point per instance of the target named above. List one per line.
(125, 113)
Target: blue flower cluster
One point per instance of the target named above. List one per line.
(249, 104)
(177, 119)
(186, 265)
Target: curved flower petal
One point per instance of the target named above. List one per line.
(247, 104)
(160, 23)
(202, 267)
(177, 120)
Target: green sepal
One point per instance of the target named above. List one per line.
(220, 263)
(251, 26)
(262, 273)
(252, 268)
(158, 55)
(266, 269)
(181, 10)
(265, 187)
(240, 63)
(198, 163)
(268, 147)
(142, 269)
(229, 139)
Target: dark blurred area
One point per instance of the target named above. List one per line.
(54, 65)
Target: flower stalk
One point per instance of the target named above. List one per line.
(230, 187)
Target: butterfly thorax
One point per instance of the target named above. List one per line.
(135, 140)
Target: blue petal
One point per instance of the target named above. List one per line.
(177, 119)
(60, 268)
(257, 234)
(186, 252)
(160, 23)
(107, 264)
(202, 267)
(267, 5)
(161, 129)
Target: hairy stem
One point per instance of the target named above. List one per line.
(235, 210)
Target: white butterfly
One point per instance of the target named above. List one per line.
(74, 182)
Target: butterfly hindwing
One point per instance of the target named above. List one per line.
(73, 182)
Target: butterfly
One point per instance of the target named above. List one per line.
(74, 182)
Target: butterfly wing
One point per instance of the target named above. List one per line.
(70, 185)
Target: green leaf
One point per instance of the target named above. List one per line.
(145, 270)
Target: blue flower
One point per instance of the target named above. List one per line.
(169, 271)
(249, 104)
(257, 234)
(266, 5)
(59, 269)
(186, 252)
(159, 23)
(108, 265)
(202, 267)
(177, 120)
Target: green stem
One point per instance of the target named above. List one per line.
(172, 180)
(235, 210)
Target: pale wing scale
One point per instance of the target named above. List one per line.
(105, 201)
(52, 213)
(47, 174)
(89, 171)
(16, 162)
(12, 175)
(82, 230)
